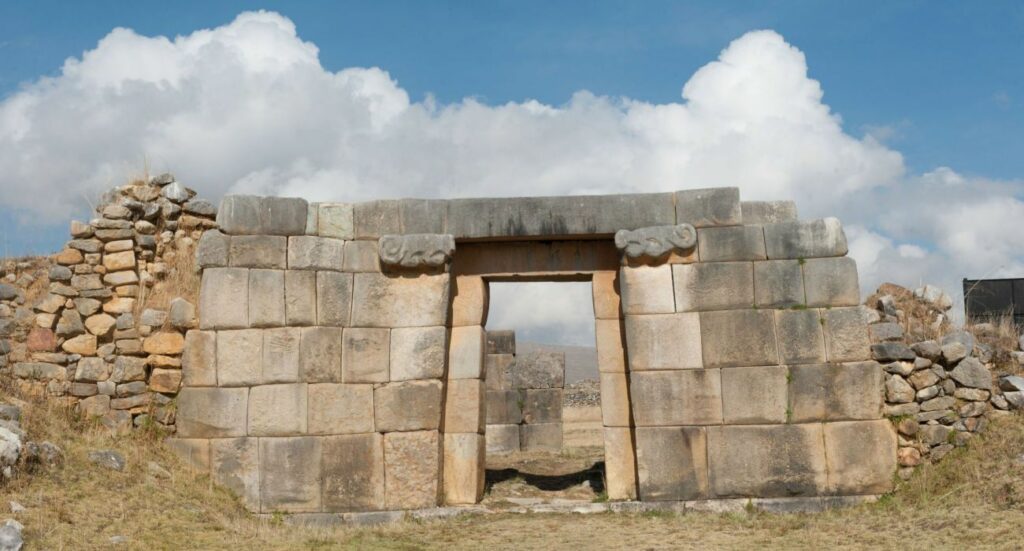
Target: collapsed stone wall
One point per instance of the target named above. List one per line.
(524, 397)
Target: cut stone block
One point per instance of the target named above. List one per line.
(469, 301)
(615, 399)
(542, 405)
(277, 410)
(619, 464)
(465, 406)
(212, 412)
(235, 465)
(224, 299)
(731, 244)
(418, 353)
(861, 456)
(836, 392)
(290, 474)
(611, 350)
(502, 439)
(118, 261)
(412, 467)
(466, 352)
(767, 461)
(647, 290)
(333, 298)
(846, 335)
(320, 355)
(605, 287)
(281, 355)
(300, 297)
(376, 218)
(541, 437)
(194, 452)
(365, 353)
(669, 341)
(240, 215)
(498, 369)
(713, 286)
(463, 468)
(361, 256)
(353, 472)
(340, 408)
(312, 218)
(800, 336)
(335, 220)
(283, 215)
(423, 216)
(768, 212)
(778, 284)
(709, 207)
(805, 239)
(735, 338)
(539, 370)
(501, 341)
(315, 253)
(671, 463)
(682, 397)
(239, 357)
(400, 301)
(212, 250)
(504, 407)
(831, 282)
(259, 251)
(266, 298)
(407, 406)
(754, 395)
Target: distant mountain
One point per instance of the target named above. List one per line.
(580, 361)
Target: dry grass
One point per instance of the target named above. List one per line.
(975, 498)
(181, 279)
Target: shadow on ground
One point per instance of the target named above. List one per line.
(550, 482)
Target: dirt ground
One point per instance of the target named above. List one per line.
(576, 474)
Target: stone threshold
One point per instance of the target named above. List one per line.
(779, 505)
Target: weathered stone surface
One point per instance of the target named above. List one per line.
(835, 392)
(768, 212)
(120, 305)
(164, 343)
(258, 251)
(897, 390)
(498, 371)
(466, 352)
(656, 241)
(423, 215)
(212, 412)
(290, 474)
(615, 411)
(754, 395)
(41, 340)
(504, 407)
(713, 286)
(720, 346)
(953, 352)
(407, 406)
(280, 355)
(463, 468)
(91, 370)
(805, 239)
(119, 261)
(800, 336)
(239, 357)
(320, 355)
(127, 369)
(539, 370)
(892, 351)
(971, 373)
(671, 341)
(376, 218)
(401, 301)
(682, 397)
(831, 282)
(416, 250)
(194, 452)
(70, 324)
(166, 381)
(94, 406)
(541, 437)
(846, 336)
(277, 410)
(353, 472)
(861, 456)
(647, 290)
(927, 349)
(767, 460)
(340, 408)
(199, 360)
(731, 244)
(223, 299)
(885, 332)
(542, 405)
(611, 353)
(465, 406)
(502, 439)
(412, 466)
(502, 341)
(282, 216)
(361, 256)
(82, 344)
(605, 285)
(671, 463)
(709, 207)
(620, 463)
(315, 253)
(335, 220)
(365, 355)
(213, 250)
(116, 279)
(469, 301)
(333, 298)
(300, 297)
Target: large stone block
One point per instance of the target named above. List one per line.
(671, 463)
(258, 251)
(235, 465)
(239, 357)
(469, 301)
(735, 338)
(335, 220)
(861, 456)
(542, 405)
(320, 355)
(836, 392)
(541, 437)
(731, 244)
(501, 341)
(709, 207)
(805, 239)
(501, 439)
(656, 244)
(194, 452)
(416, 252)
(668, 341)
(647, 290)
(846, 335)
(212, 412)
(463, 468)
(266, 298)
(713, 286)
(466, 352)
(213, 250)
(615, 399)
(418, 353)
(412, 469)
(800, 336)
(681, 397)
(333, 298)
(465, 406)
(290, 474)
(281, 355)
(365, 355)
(340, 408)
(306, 252)
(361, 256)
(277, 410)
(300, 297)
(778, 284)
(498, 371)
(224, 299)
(831, 282)
(376, 218)
(611, 349)
(283, 215)
(605, 287)
(504, 407)
(400, 301)
(353, 472)
(767, 461)
(539, 370)
(240, 215)
(423, 215)
(754, 395)
(619, 463)
(407, 406)
(768, 212)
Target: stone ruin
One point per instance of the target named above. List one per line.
(524, 397)
(339, 360)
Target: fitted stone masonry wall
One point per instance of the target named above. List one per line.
(339, 360)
